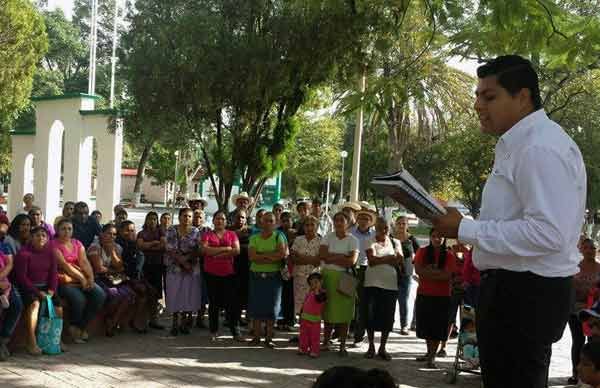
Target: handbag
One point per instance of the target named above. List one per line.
(114, 279)
(347, 284)
(49, 329)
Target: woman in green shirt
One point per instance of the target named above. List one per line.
(266, 252)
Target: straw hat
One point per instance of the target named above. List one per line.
(242, 195)
(369, 213)
(364, 205)
(351, 205)
(196, 197)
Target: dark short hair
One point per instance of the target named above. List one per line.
(314, 275)
(300, 204)
(513, 73)
(286, 215)
(62, 222)
(68, 203)
(341, 214)
(122, 211)
(96, 212)
(107, 227)
(184, 210)
(353, 377)
(591, 351)
(317, 201)
(218, 212)
(38, 229)
(15, 225)
(80, 205)
(125, 224)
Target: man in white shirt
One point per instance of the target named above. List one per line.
(525, 240)
(364, 233)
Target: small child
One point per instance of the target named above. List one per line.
(590, 318)
(310, 318)
(468, 338)
(588, 369)
(4, 282)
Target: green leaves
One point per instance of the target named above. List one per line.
(23, 42)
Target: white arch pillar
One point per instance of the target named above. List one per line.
(22, 148)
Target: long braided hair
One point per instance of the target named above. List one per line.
(430, 254)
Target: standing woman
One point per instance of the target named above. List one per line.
(338, 253)
(19, 233)
(220, 248)
(435, 265)
(76, 281)
(152, 242)
(37, 276)
(183, 279)
(584, 281)
(37, 219)
(305, 256)
(408, 251)
(381, 287)
(266, 251)
(242, 264)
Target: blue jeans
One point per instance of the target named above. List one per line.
(83, 304)
(11, 314)
(403, 292)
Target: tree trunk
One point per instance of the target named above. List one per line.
(141, 170)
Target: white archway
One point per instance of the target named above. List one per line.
(70, 120)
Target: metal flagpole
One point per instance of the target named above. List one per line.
(93, 43)
(113, 59)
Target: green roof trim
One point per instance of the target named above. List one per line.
(106, 112)
(66, 96)
(19, 132)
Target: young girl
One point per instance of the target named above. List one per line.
(310, 318)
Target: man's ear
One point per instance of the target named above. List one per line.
(525, 99)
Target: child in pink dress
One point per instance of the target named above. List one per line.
(310, 318)
(4, 282)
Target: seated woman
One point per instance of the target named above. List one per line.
(37, 276)
(19, 233)
(11, 313)
(133, 260)
(76, 281)
(37, 219)
(105, 256)
(266, 251)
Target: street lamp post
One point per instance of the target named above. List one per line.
(344, 155)
(175, 185)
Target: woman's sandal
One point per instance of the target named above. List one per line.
(254, 342)
(370, 353)
(385, 356)
(34, 351)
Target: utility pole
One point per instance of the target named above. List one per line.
(354, 182)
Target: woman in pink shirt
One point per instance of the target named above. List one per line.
(76, 281)
(220, 247)
(37, 276)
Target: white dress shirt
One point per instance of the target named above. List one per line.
(533, 202)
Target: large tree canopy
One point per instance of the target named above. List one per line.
(23, 42)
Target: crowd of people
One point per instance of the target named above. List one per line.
(329, 276)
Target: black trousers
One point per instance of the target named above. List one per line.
(361, 309)
(222, 293)
(519, 316)
(288, 315)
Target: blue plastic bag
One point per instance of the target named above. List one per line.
(49, 329)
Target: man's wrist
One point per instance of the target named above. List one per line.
(467, 231)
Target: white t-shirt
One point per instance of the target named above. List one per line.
(383, 275)
(338, 246)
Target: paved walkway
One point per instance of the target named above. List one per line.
(159, 360)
